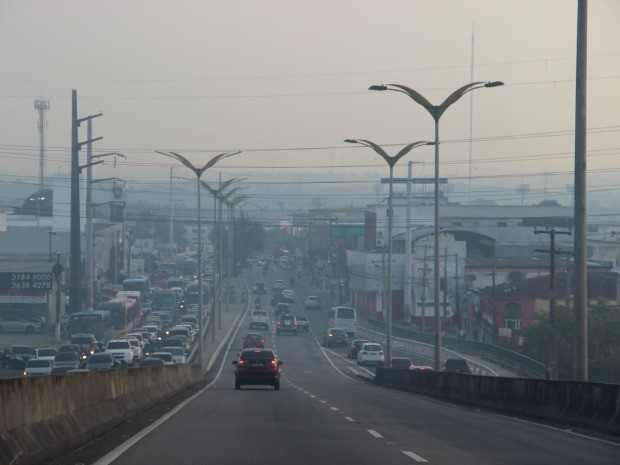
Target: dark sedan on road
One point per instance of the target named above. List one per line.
(335, 337)
(257, 366)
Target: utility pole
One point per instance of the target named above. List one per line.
(457, 304)
(423, 297)
(407, 289)
(171, 230)
(445, 285)
(553, 349)
(75, 251)
(580, 193)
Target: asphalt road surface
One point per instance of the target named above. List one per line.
(326, 414)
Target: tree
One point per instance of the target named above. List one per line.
(548, 203)
(39, 203)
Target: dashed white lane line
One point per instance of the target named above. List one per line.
(335, 409)
(313, 396)
(351, 419)
(374, 433)
(415, 457)
(323, 401)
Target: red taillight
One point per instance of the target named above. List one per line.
(241, 362)
(273, 363)
(295, 323)
(279, 322)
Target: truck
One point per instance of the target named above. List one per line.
(259, 319)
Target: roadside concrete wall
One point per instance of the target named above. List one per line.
(593, 406)
(45, 416)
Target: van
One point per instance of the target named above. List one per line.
(344, 318)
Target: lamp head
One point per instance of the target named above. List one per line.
(381, 87)
(494, 84)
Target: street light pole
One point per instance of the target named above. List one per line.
(199, 172)
(436, 112)
(391, 161)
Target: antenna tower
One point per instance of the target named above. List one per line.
(523, 189)
(41, 106)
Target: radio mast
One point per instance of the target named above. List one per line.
(41, 106)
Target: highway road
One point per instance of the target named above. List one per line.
(326, 414)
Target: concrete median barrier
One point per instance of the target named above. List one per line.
(592, 406)
(47, 416)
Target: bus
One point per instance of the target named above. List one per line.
(192, 294)
(96, 322)
(343, 317)
(142, 284)
(188, 269)
(123, 311)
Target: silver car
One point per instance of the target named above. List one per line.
(18, 323)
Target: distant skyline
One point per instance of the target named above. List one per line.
(286, 82)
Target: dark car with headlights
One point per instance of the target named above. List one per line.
(335, 337)
(17, 356)
(355, 346)
(257, 366)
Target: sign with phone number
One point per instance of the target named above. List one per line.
(25, 281)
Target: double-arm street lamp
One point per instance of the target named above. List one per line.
(391, 161)
(217, 284)
(199, 171)
(436, 111)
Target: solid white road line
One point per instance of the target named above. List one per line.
(374, 433)
(415, 457)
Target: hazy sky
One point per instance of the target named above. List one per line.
(286, 82)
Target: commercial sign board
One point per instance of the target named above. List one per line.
(25, 281)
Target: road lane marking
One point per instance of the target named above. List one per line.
(374, 433)
(351, 419)
(313, 396)
(415, 457)
(323, 401)
(335, 409)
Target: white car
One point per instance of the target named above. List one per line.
(47, 353)
(38, 367)
(165, 356)
(178, 354)
(135, 346)
(371, 353)
(288, 295)
(121, 350)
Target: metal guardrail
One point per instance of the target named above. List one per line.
(423, 349)
(505, 358)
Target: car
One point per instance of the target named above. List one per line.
(289, 295)
(192, 331)
(84, 341)
(277, 298)
(17, 356)
(279, 285)
(69, 348)
(66, 359)
(259, 288)
(121, 350)
(287, 323)
(152, 330)
(165, 356)
(152, 362)
(135, 346)
(45, 353)
(38, 367)
(421, 368)
(355, 346)
(312, 302)
(401, 363)
(259, 319)
(253, 340)
(335, 336)
(371, 353)
(178, 355)
(456, 365)
(18, 323)
(303, 323)
(257, 367)
(281, 309)
(101, 361)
